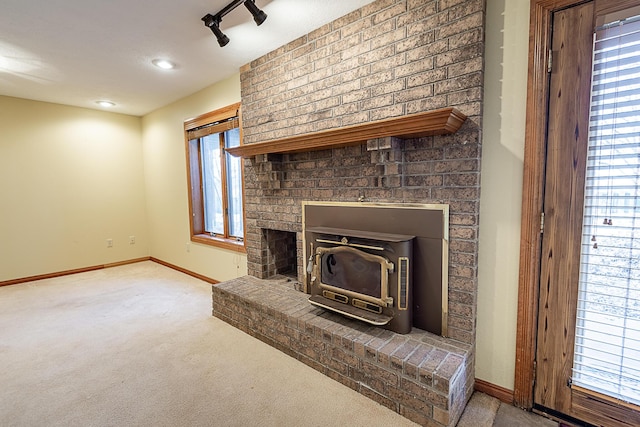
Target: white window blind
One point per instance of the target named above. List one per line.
(607, 350)
(218, 168)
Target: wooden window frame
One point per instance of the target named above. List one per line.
(194, 180)
(532, 199)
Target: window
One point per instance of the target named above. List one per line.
(607, 353)
(215, 178)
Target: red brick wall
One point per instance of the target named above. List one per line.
(387, 59)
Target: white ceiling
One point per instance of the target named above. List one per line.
(76, 52)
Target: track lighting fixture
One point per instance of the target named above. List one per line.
(213, 21)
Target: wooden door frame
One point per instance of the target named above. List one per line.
(533, 186)
(533, 195)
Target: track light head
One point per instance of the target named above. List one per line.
(258, 15)
(223, 40)
(213, 23)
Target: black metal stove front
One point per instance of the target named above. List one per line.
(362, 275)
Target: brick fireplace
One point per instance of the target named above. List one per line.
(389, 59)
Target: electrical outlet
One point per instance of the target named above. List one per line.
(109, 243)
(188, 245)
(132, 240)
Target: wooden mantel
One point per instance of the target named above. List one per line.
(437, 122)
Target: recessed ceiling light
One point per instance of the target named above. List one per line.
(164, 64)
(106, 104)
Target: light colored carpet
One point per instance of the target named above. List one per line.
(136, 345)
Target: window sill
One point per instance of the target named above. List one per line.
(233, 245)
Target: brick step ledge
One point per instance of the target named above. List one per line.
(423, 377)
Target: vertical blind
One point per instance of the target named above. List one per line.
(607, 350)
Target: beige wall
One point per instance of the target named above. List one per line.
(70, 178)
(502, 160)
(166, 184)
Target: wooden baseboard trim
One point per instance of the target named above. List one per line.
(131, 261)
(185, 271)
(503, 394)
(69, 272)
(101, 266)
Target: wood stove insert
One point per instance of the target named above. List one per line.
(362, 275)
(363, 225)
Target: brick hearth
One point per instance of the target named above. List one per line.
(421, 376)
